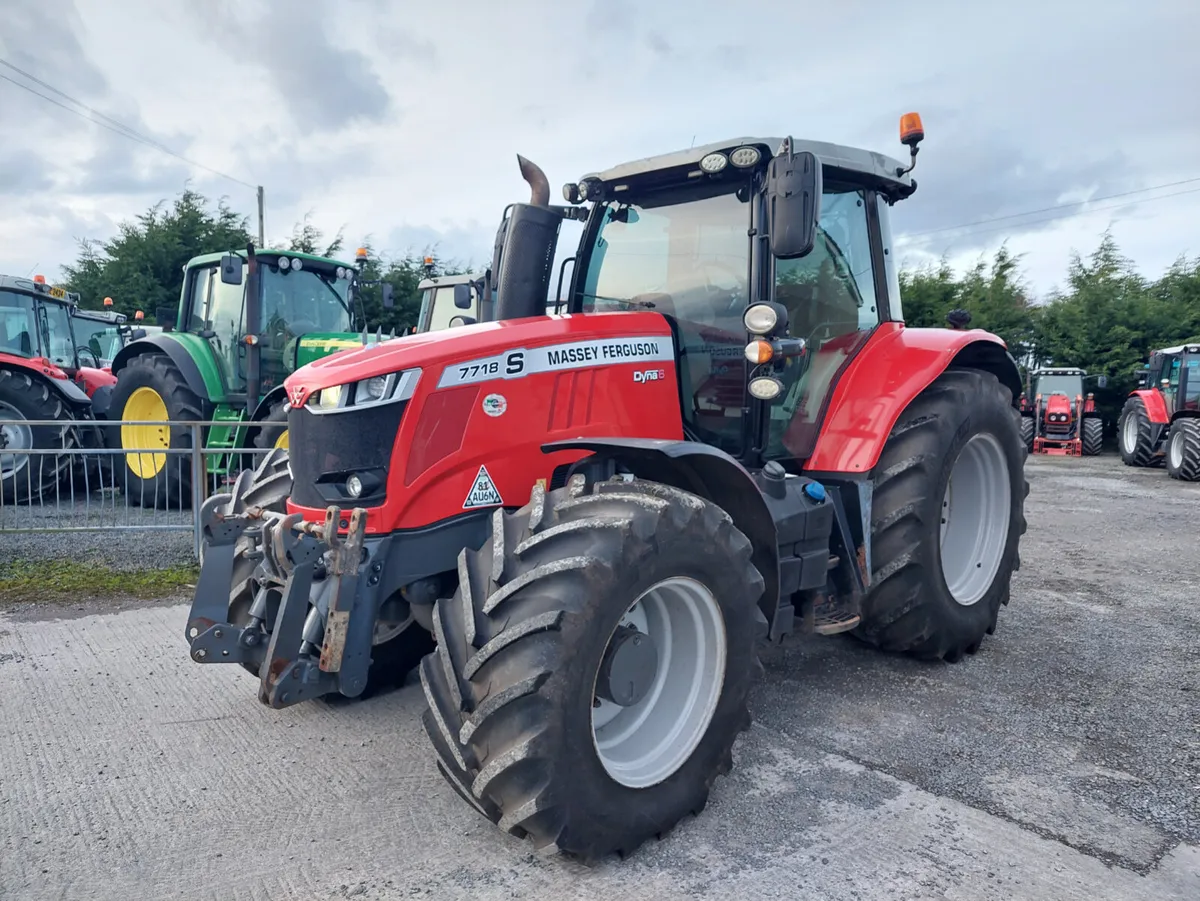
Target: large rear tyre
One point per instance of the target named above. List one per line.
(946, 519)
(1027, 432)
(592, 670)
(28, 477)
(1134, 434)
(152, 389)
(1183, 450)
(1093, 436)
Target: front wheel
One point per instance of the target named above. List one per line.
(946, 519)
(592, 670)
(1133, 433)
(1183, 450)
(1093, 436)
(31, 467)
(1027, 432)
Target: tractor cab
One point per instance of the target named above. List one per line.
(444, 304)
(684, 235)
(1175, 372)
(35, 322)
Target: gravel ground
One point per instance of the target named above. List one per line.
(1061, 762)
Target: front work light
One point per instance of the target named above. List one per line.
(714, 163)
(765, 388)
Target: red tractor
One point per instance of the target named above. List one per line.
(1161, 419)
(1062, 421)
(41, 378)
(592, 518)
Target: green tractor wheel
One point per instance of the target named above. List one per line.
(149, 391)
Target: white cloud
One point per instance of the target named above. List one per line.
(403, 121)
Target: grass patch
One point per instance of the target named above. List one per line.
(75, 580)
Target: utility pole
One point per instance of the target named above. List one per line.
(261, 240)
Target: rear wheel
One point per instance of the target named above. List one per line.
(1183, 450)
(1134, 433)
(25, 476)
(946, 519)
(151, 389)
(592, 670)
(1093, 436)
(1027, 432)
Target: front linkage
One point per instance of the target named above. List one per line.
(312, 645)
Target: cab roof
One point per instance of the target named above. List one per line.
(205, 258)
(1179, 349)
(868, 165)
(29, 286)
(441, 281)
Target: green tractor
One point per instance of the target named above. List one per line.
(245, 321)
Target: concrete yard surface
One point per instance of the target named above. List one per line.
(1061, 762)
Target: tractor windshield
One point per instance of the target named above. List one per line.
(1070, 385)
(102, 338)
(304, 300)
(437, 308)
(685, 254)
(29, 328)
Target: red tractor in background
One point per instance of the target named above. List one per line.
(41, 378)
(1160, 421)
(590, 519)
(1062, 420)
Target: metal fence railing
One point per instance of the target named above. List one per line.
(92, 478)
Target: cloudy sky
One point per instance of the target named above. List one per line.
(401, 120)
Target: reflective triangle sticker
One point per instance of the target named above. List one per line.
(483, 493)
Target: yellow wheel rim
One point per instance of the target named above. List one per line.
(145, 404)
(282, 440)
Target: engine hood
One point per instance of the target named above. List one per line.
(434, 352)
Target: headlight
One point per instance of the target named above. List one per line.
(714, 163)
(371, 389)
(378, 389)
(744, 157)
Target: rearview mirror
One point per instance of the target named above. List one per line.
(1102, 382)
(793, 202)
(138, 334)
(164, 316)
(462, 296)
(456, 321)
(231, 269)
(388, 293)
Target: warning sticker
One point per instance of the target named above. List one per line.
(516, 364)
(483, 492)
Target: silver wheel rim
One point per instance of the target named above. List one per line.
(15, 435)
(976, 511)
(1175, 448)
(1129, 434)
(385, 632)
(642, 745)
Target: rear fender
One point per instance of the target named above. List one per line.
(1156, 405)
(276, 395)
(178, 354)
(895, 366)
(74, 396)
(704, 471)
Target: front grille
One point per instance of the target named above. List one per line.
(325, 448)
(1060, 430)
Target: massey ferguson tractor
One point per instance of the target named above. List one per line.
(591, 518)
(1160, 421)
(1062, 420)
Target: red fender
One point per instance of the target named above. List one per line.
(89, 379)
(39, 365)
(895, 365)
(1156, 404)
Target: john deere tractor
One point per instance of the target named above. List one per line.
(245, 321)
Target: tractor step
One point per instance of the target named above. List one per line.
(831, 615)
(833, 623)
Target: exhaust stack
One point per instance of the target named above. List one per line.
(539, 185)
